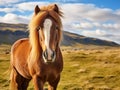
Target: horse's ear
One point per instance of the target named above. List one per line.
(56, 9)
(37, 9)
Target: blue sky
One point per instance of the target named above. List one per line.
(92, 18)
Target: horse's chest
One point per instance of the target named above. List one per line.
(49, 72)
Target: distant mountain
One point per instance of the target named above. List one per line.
(9, 33)
(13, 27)
(75, 39)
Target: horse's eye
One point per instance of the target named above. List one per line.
(38, 28)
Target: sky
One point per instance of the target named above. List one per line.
(91, 18)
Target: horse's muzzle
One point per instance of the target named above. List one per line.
(49, 56)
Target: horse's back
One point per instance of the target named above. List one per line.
(19, 54)
(21, 46)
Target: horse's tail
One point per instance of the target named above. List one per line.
(13, 73)
(13, 84)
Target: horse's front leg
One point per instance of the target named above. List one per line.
(38, 83)
(53, 83)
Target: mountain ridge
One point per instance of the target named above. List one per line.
(13, 32)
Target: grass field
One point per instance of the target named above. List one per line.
(84, 69)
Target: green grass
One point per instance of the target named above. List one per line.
(94, 69)
(4, 65)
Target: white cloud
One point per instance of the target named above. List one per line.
(7, 10)
(13, 18)
(83, 25)
(92, 21)
(95, 33)
(102, 34)
(4, 2)
(89, 12)
(93, 25)
(9, 17)
(21, 7)
(85, 19)
(117, 12)
(29, 6)
(109, 26)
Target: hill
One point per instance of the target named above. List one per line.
(9, 33)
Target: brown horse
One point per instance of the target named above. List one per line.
(39, 56)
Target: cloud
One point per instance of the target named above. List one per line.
(21, 7)
(67, 1)
(96, 33)
(13, 18)
(29, 6)
(92, 21)
(85, 19)
(4, 2)
(89, 12)
(73, 13)
(109, 26)
(94, 25)
(83, 25)
(7, 10)
(102, 34)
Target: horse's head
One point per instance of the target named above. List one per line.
(47, 24)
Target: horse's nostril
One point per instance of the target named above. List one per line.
(53, 54)
(49, 56)
(45, 54)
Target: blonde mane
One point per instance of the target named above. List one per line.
(35, 22)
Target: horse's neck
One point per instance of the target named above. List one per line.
(58, 50)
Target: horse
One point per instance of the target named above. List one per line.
(38, 57)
